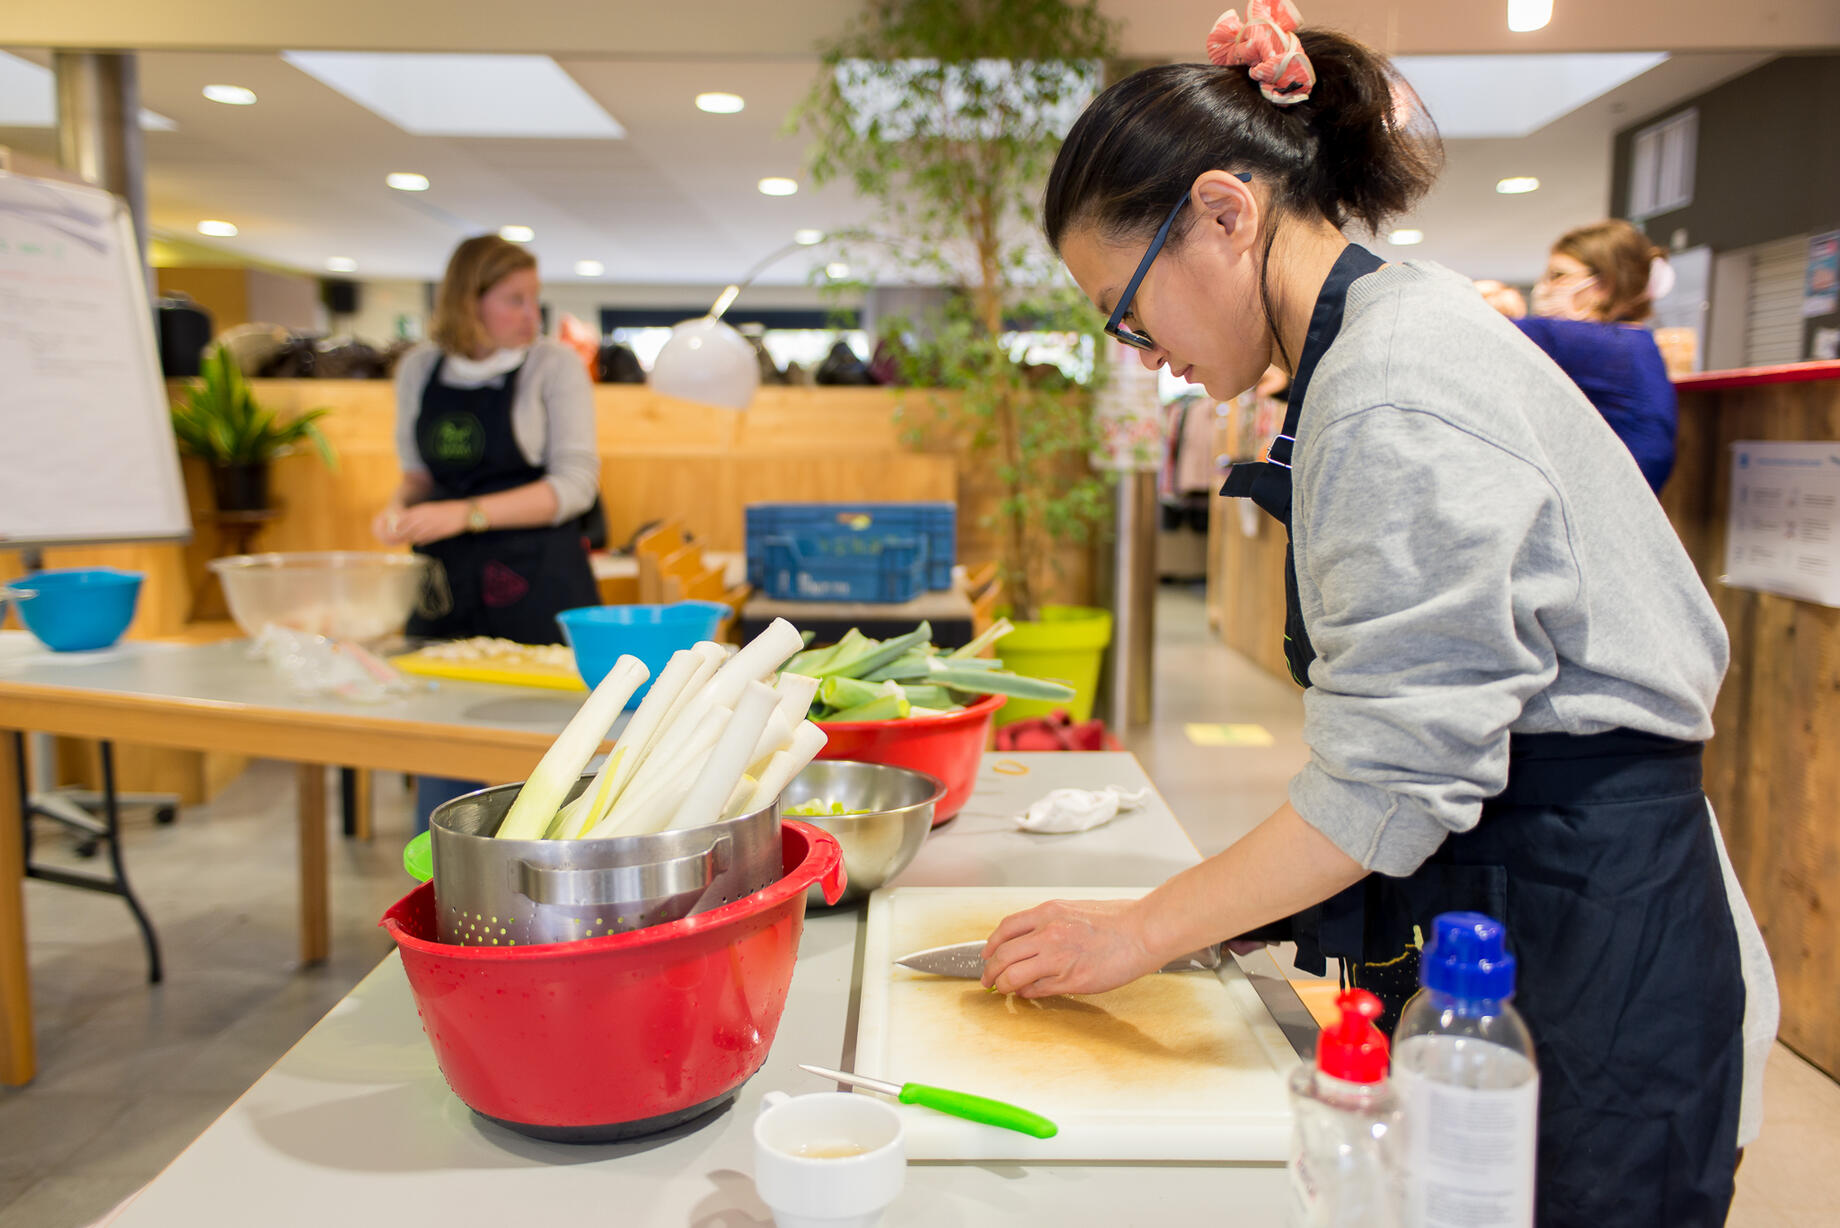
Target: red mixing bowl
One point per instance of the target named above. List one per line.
(615, 1037)
(949, 747)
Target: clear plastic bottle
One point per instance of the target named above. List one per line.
(1464, 1067)
(1346, 1162)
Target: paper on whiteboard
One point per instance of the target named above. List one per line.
(89, 453)
(1784, 530)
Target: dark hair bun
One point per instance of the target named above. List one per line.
(1360, 149)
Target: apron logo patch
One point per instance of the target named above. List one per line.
(503, 586)
(459, 439)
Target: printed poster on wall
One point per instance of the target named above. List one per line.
(1821, 291)
(1784, 530)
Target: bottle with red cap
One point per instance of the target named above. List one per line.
(1346, 1164)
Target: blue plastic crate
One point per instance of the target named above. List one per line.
(878, 570)
(812, 524)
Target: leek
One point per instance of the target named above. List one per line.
(759, 659)
(729, 761)
(655, 794)
(636, 739)
(889, 705)
(843, 658)
(807, 741)
(534, 808)
(846, 692)
(891, 650)
(928, 696)
(796, 693)
(993, 682)
(985, 639)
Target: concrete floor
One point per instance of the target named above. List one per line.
(129, 1074)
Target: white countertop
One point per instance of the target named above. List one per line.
(228, 673)
(354, 1126)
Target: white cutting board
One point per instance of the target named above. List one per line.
(1185, 1066)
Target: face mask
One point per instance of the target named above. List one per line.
(1561, 299)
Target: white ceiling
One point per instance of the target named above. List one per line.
(301, 172)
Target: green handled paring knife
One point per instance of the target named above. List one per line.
(958, 1104)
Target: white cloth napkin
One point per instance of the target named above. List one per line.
(1067, 810)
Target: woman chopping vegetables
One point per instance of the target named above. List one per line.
(1509, 661)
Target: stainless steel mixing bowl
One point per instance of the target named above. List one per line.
(898, 805)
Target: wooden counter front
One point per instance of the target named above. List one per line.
(1773, 766)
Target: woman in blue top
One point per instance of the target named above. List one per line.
(1601, 282)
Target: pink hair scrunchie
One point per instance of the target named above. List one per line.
(1267, 40)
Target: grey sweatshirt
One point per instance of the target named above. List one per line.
(1477, 555)
(552, 418)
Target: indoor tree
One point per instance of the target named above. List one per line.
(947, 114)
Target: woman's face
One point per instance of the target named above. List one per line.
(1199, 301)
(509, 311)
(1568, 290)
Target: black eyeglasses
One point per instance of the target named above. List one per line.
(1131, 337)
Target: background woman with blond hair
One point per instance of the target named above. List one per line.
(495, 434)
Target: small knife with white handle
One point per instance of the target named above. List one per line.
(966, 959)
(958, 1104)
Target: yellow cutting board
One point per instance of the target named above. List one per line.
(1185, 1066)
(508, 672)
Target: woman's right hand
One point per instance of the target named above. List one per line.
(386, 525)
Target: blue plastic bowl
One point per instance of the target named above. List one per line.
(77, 609)
(601, 634)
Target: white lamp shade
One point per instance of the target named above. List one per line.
(705, 360)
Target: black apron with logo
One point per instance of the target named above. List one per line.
(509, 583)
(1599, 858)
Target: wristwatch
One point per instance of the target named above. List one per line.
(476, 521)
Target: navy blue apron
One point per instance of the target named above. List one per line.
(1599, 859)
(509, 583)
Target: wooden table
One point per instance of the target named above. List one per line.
(216, 697)
(355, 1125)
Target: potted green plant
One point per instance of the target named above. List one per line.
(219, 422)
(947, 114)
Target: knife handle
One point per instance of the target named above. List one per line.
(978, 1108)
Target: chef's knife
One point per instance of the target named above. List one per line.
(966, 959)
(958, 1104)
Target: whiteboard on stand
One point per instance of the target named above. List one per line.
(87, 453)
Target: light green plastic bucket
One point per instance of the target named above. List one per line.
(1067, 645)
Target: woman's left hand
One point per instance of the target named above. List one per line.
(431, 522)
(1068, 946)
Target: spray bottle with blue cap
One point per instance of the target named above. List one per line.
(1463, 1064)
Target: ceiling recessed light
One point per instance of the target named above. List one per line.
(719, 104)
(807, 237)
(216, 229)
(589, 268)
(1406, 238)
(778, 187)
(230, 95)
(1525, 15)
(1517, 185)
(517, 234)
(407, 181)
(836, 270)
(341, 264)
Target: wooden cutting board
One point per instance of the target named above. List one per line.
(1182, 1066)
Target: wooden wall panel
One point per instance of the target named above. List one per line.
(1246, 591)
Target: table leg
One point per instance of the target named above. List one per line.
(355, 799)
(315, 941)
(18, 1061)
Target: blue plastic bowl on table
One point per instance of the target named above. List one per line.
(77, 609)
(601, 634)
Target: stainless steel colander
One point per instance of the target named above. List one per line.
(491, 892)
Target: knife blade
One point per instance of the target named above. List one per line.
(958, 1104)
(966, 959)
